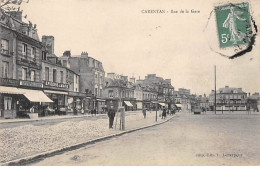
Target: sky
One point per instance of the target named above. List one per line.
(133, 43)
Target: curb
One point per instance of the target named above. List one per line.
(40, 156)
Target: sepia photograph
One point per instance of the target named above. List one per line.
(129, 83)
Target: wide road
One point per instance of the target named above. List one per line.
(185, 140)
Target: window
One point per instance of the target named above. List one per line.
(7, 103)
(4, 46)
(96, 78)
(5, 69)
(110, 93)
(24, 73)
(96, 91)
(47, 74)
(100, 93)
(24, 50)
(64, 63)
(32, 75)
(44, 55)
(54, 76)
(61, 76)
(33, 53)
(101, 79)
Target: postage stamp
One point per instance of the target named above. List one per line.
(233, 24)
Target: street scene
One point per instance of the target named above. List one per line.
(94, 83)
(184, 140)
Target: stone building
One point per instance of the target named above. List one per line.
(91, 80)
(60, 83)
(21, 50)
(228, 99)
(160, 88)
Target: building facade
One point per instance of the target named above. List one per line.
(91, 79)
(21, 52)
(228, 99)
(60, 83)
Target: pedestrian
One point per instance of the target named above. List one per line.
(144, 112)
(164, 114)
(111, 115)
(95, 112)
(172, 112)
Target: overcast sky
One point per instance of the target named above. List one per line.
(130, 42)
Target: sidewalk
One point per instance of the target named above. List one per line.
(55, 117)
(46, 118)
(28, 140)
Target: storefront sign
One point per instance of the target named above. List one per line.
(57, 85)
(9, 82)
(28, 63)
(31, 84)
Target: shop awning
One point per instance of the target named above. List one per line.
(178, 105)
(162, 104)
(35, 95)
(128, 103)
(56, 92)
(101, 100)
(10, 90)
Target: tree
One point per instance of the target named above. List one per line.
(9, 5)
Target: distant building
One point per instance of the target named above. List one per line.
(120, 92)
(228, 99)
(183, 99)
(158, 87)
(253, 102)
(204, 102)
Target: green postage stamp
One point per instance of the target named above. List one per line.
(233, 24)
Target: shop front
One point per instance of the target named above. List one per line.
(100, 105)
(75, 103)
(162, 105)
(58, 93)
(9, 101)
(128, 106)
(59, 104)
(35, 99)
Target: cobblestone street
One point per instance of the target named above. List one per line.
(41, 136)
(184, 140)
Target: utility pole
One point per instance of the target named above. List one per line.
(215, 90)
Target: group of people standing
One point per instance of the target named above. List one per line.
(167, 111)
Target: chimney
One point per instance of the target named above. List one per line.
(226, 86)
(84, 54)
(132, 79)
(48, 41)
(16, 14)
(249, 94)
(67, 53)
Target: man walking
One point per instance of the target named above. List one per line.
(144, 112)
(111, 115)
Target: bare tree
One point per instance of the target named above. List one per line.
(11, 5)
